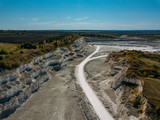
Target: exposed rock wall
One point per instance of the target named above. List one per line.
(18, 86)
(125, 90)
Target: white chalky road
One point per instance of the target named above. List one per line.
(99, 108)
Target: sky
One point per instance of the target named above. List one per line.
(80, 14)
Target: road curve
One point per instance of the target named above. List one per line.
(99, 108)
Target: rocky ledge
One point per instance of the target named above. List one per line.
(129, 103)
(121, 96)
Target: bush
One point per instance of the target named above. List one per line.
(28, 45)
(56, 44)
(41, 46)
(21, 52)
(65, 42)
(1, 57)
(151, 76)
(2, 64)
(7, 56)
(136, 102)
(9, 66)
(2, 51)
(11, 53)
(15, 65)
(157, 108)
(49, 41)
(133, 74)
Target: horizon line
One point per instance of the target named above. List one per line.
(75, 30)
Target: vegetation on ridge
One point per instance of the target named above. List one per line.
(14, 55)
(144, 66)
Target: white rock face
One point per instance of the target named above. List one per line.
(17, 87)
(120, 81)
(133, 118)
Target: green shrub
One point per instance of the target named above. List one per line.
(151, 76)
(133, 74)
(1, 57)
(21, 52)
(41, 46)
(28, 45)
(56, 44)
(2, 51)
(136, 102)
(65, 42)
(9, 66)
(15, 65)
(7, 56)
(2, 64)
(49, 41)
(11, 53)
(144, 73)
(157, 108)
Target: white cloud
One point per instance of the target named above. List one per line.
(82, 18)
(52, 25)
(35, 19)
(43, 23)
(68, 17)
(106, 26)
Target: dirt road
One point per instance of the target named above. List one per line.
(95, 102)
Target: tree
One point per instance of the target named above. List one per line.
(28, 45)
(1, 57)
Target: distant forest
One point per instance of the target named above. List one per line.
(34, 36)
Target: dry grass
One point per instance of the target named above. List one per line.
(8, 46)
(152, 90)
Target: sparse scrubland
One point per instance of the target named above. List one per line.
(14, 55)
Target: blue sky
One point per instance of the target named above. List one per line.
(80, 14)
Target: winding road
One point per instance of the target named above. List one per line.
(99, 108)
